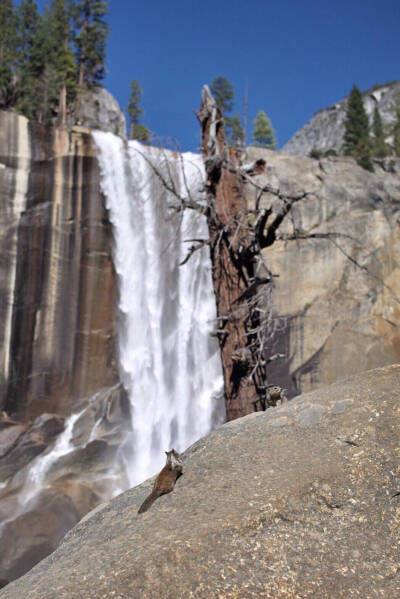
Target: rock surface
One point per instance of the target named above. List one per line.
(297, 502)
(326, 128)
(333, 318)
(46, 488)
(57, 281)
(57, 336)
(98, 109)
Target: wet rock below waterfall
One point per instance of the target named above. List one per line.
(34, 516)
(299, 501)
(19, 444)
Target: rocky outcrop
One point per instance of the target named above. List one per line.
(57, 309)
(19, 444)
(98, 109)
(326, 128)
(298, 501)
(337, 302)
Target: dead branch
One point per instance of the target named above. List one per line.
(169, 186)
(194, 249)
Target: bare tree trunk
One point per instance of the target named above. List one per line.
(232, 276)
(62, 110)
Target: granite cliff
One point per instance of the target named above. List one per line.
(337, 302)
(325, 130)
(57, 339)
(57, 279)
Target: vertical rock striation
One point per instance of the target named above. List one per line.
(56, 275)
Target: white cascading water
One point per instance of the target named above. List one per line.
(169, 362)
(42, 464)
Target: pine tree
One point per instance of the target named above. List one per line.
(63, 57)
(222, 91)
(356, 123)
(90, 40)
(42, 72)
(396, 132)
(52, 68)
(136, 130)
(28, 22)
(141, 133)
(134, 109)
(263, 132)
(357, 141)
(379, 145)
(234, 130)
(8, 46)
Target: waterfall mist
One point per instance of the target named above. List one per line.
(169, 362)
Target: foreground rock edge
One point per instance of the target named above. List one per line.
(298, 501)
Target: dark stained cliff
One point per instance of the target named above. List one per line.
(57, 283)
(57, 336)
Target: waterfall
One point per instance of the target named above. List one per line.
(43, 463)
(169, 362)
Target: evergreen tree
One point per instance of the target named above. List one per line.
(222, 90)
(357, 141)
(8, 46)
(263, 132)
(28, 21)
(396, 132)
(134, 109)
(356, 123)
(43, 77)
(63, 57)
(52, 67)
(136, 130)
(379, 145)
(141, 133)
(90, 40)
(234, 130)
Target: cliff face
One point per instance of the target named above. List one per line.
(57, 339)
(326, 128)
(334, 318)
(57, 283)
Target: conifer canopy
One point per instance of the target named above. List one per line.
(263, 132)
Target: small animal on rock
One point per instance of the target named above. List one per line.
(165, 481)
(275, 394)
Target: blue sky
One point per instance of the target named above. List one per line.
(297, 56)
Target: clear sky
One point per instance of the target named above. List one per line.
(296, 55)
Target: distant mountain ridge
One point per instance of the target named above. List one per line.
(325, 130)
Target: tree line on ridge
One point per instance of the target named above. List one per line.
(363, 141)
(47, 59)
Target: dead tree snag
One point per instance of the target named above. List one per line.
(242, 281)
(239, 273)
